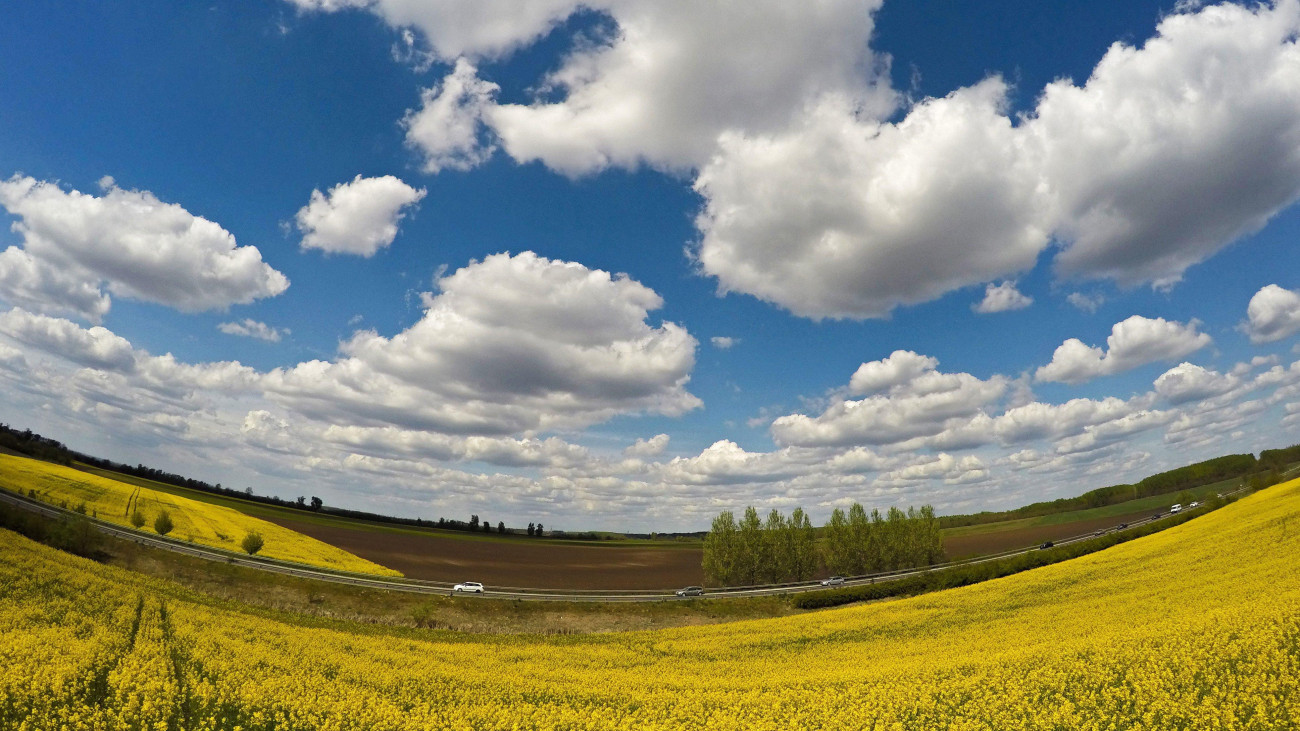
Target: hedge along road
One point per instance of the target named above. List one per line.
(445, 588)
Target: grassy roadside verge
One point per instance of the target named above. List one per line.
(951, 578)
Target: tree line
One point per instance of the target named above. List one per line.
(754, 551)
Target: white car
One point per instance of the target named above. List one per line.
(1177, 508)
(1194, 504)
(833, 581)
(472, 587)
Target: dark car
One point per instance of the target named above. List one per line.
(691, 591)
(1156, 516)
(1121, 526)
(1046, 545)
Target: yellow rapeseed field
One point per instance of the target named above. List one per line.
(195, 521)
(1197, 627)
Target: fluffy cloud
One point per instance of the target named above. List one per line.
(909, 398)
(1168, 153)
(33, 283)
(510, 344)
(133, 243)
(1132, 343)
(722, 342)
(677, 74)
(484, 28)
(1187, 382)
(1002, 298)
(249, 328)
(657, 88)
(1273, 314)
(359, 217)
(97, 347)
(845, 217)
(448, 129)
(651, 447)
(1175, 149)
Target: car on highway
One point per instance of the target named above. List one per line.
(1195, 504)
(691, 591)
(1046, 545)
(1121, 526)
(1157, 516)
(833, 581)
(471, 587)
(1175, 508)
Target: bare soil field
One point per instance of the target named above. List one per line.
(979, 544)
(553, 565)
(541, 564)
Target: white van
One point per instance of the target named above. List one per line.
(1177, 508)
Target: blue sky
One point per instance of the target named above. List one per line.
(626, 264)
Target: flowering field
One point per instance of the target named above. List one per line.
(1197, 627)
(200, 522)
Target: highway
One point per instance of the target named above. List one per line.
(445, 588)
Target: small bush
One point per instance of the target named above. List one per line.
(80, 509)
(75, 535)
(137, 519)
(252, 542)
(163, 523)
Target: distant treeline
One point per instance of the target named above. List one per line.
(1195, 475)
(786, 549)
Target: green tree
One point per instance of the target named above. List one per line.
(931, 536)
(137, 518)
(803, 546)
(837, 548)
(720, 551)
(163, 523)
(252, 542)
(774, 560)
(751, 547)
(860, 535)
(894, 543)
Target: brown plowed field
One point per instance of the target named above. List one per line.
(547, 564)
(995, 542)
(540, 564)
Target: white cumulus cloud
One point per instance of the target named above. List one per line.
(448, 129)
(1273, 314)
(128, 242)
(1132, 343)
(358, 217)
(510, 344)
(1002, 298)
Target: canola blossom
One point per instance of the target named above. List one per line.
(195, 521)
(1197, 627)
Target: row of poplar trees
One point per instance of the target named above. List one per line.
(782, 549)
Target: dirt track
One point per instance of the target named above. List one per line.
(541, 564)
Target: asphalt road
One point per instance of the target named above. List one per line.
(445, 588)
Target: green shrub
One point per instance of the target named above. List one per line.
(252, 542)
(137, 519)
(163, 523)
